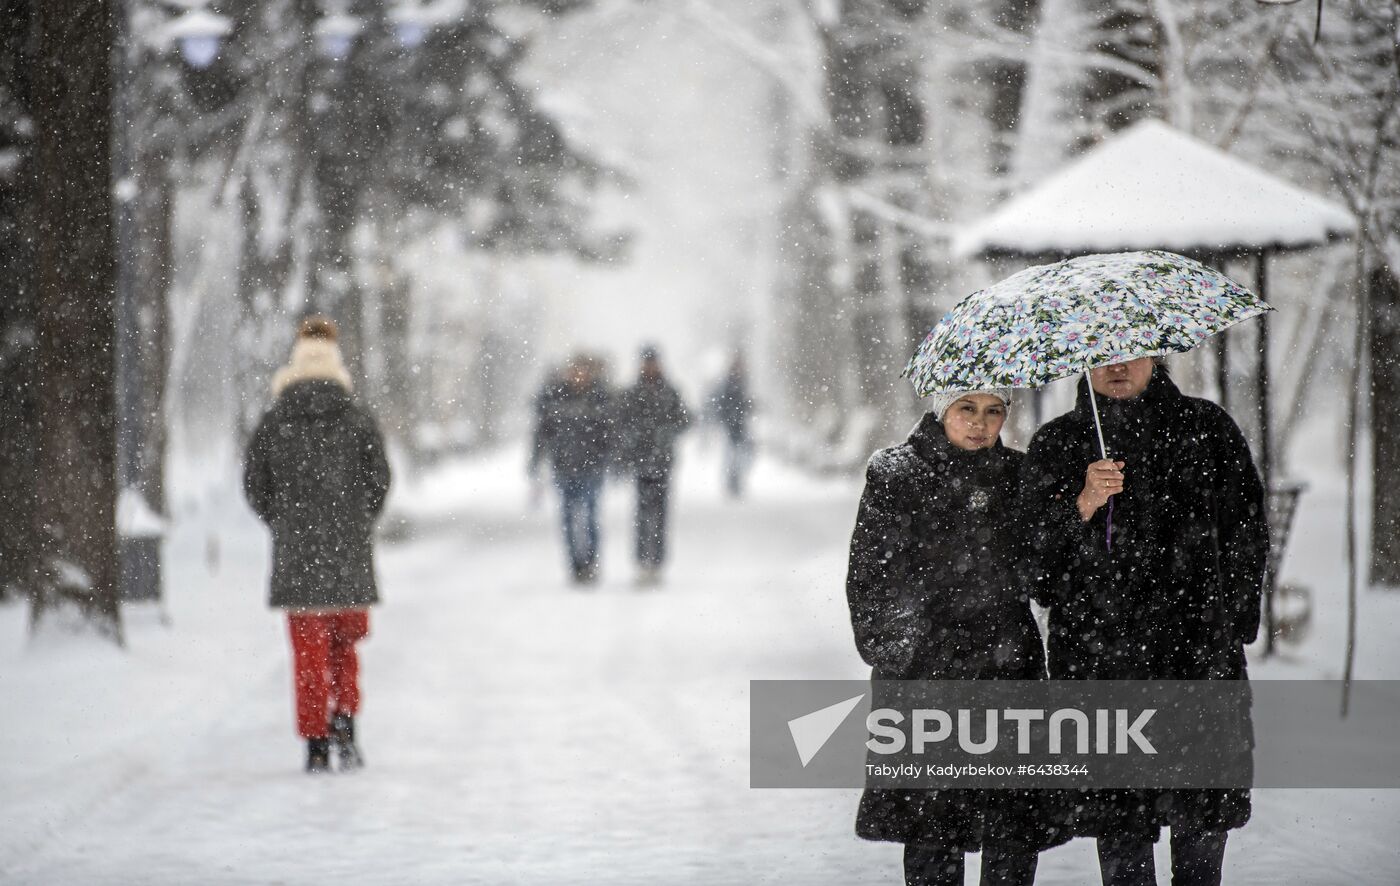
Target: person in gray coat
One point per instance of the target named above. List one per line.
(652, 415)
(316, 474)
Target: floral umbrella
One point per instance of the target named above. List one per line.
(1053, 321)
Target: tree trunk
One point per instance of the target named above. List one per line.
(396, 397)
(16, 304)
(878, 120)
(17, 355)
(1384, 297)
(16, 386)
(156, 264)
(262, 280)
(76, 280)
(1053, 91)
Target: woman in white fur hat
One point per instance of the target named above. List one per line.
(934, 594)
(315, 472)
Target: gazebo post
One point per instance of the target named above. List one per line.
(1266, 468)
(1265, 447)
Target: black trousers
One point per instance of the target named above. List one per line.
(1198, 858)
(940, 866)
(652, 495)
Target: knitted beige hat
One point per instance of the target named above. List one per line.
(940, 401)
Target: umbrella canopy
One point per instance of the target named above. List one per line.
(1155, 187)
(1053, 321)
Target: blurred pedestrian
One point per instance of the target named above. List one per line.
(316, 474)
(573, 431)
(731, 406)
(935, 593)
(651, 415)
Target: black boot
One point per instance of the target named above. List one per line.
(343, 733)
(318, 755)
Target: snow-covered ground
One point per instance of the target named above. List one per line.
(520, 731)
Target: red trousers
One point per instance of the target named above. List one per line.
(326, 670)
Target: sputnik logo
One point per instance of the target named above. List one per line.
(811, 732)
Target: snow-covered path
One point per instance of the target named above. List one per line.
(516, 730)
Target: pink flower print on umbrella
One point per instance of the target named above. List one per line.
(1062, 366)
(1147, 339)
(1107, 299)
(1070, 337)
(1213, 301)
(1004, 347)
(1122, 337)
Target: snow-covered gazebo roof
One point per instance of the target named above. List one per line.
(1155, 187)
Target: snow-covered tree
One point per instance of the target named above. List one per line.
(1341, 95)
(334, 165)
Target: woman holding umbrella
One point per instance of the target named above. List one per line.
(934, 595)
(1167, 587)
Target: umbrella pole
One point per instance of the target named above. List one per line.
(1103, 453)
(1094, 405)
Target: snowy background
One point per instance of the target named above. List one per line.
(520, 731)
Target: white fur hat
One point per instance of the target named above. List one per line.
(939, 402)
(312, 358)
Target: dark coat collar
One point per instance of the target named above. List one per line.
(312, 397)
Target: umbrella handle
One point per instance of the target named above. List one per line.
(1108, 527)
(1103, 452)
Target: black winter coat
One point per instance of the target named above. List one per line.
(650, 416)
(1178, 596)
(935, 593)
(315, 472)
(574, 430)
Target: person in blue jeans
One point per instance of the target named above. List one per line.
(578, 502)
(574, 432)
(730, 407)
